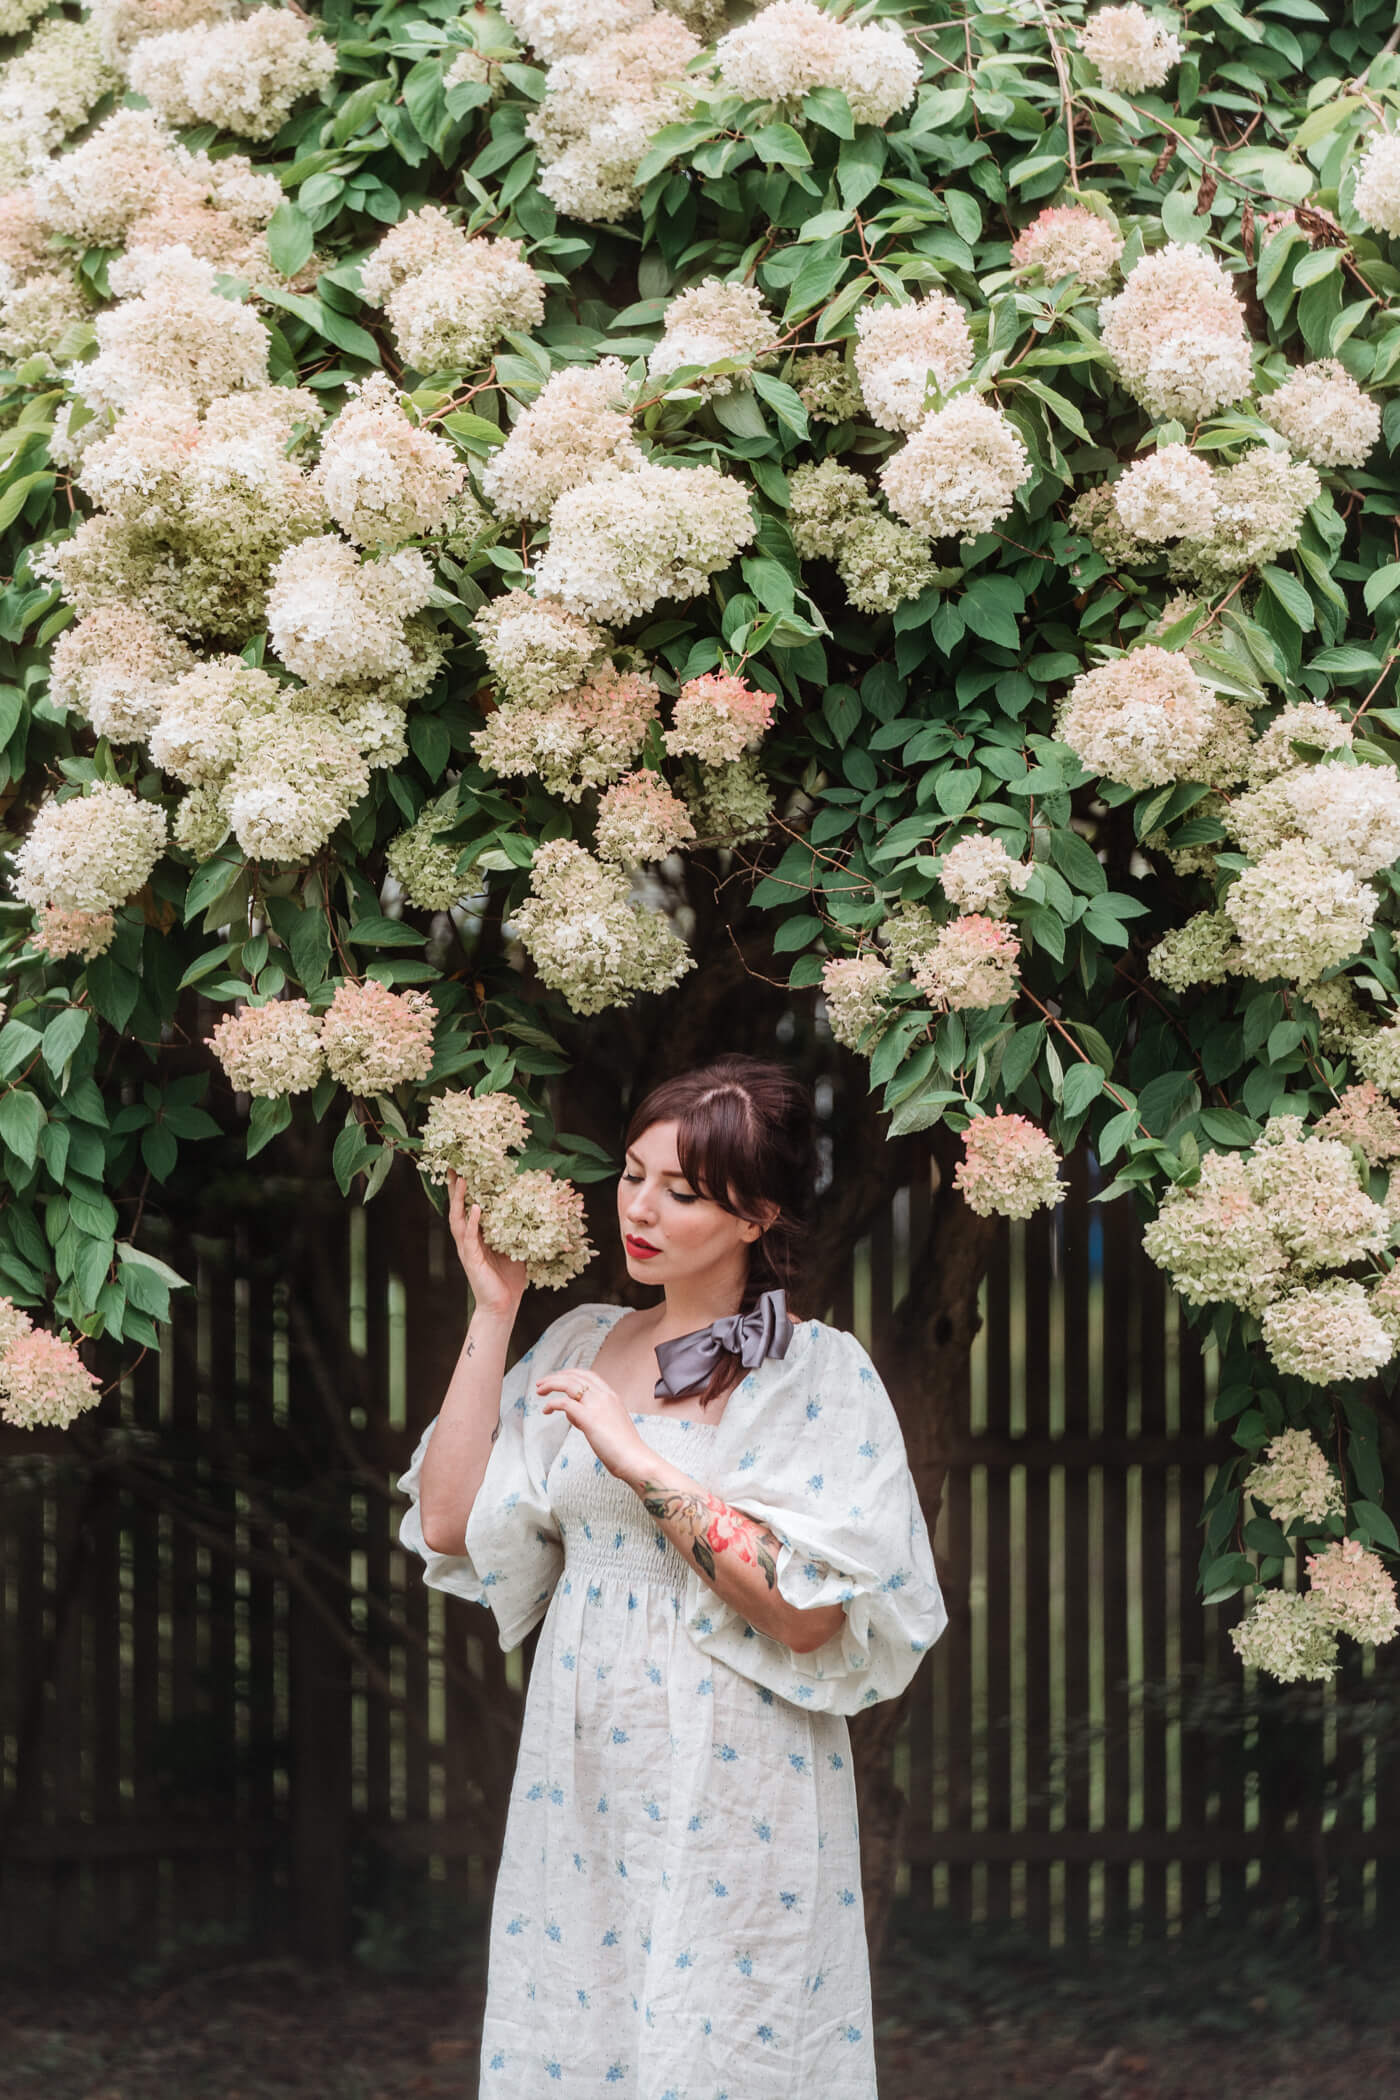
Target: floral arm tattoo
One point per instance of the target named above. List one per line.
(708, 1526)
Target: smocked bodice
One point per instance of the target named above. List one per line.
(604, 1526)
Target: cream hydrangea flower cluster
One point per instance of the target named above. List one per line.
(43, 1381)
(731, 802)
(1168, 495)
(527, 1214)
(576, 427)
(1263, 1232)
(1362, 1116)
(833, 515)
(622, 541)
(854, 988)
(59, 933)
(709, 324)
(338, 621)
(977, 874)
(537, 648)
(383, 478)
(1140, 719)
(1295, 1481)
(958, 473)
(1131, 49)
(582, 740)
(48, 91)
(1177, 334)
(1297, 913)
(102, 192)
(900, 349)
(602, 106)
(1351, 811)
(1202, 950)
(640, 819)
(1324, 415)
(1376, 198)
(1068, 240)
(90, 852)
(1259, 506)
(244, 75)
(587, 940)
(1286, 1635)
(1009, 1168)
(175, 325)
(449, 297)
(1354, 1590)
(122, 25)
(554, 28)
(116, 666)
(793, 46)
(270, 1050)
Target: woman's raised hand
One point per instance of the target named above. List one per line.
(498, 1283)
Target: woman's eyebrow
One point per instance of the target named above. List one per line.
(673, 1172)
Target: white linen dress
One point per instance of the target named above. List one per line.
(678, 1912)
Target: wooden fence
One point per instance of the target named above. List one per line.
(231, 1707)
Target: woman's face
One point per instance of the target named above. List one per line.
(657, 1206)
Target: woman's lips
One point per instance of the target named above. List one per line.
(640, 1248)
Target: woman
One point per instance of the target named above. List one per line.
(729, 1559)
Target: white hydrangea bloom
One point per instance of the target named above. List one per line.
(792, 46)
(575, 428)
(854, 989)
(977, 874)
(1294, 1479)
(118, 667)
(586, 939)
(623, 541)
(1297, 913)
(602, 107)
(200, 731)
(958, 473)
(538, 649)
(1377, 193)
(1140, 719)
(450, 297)
(386, 479)
(711, 322)
(270, 1050)
(296, 777)
(1177, 335)
(1169, 493)
(1351, 812)
(1131, 49)
(1324, 414)
(1307, 721)
(335, 620)
(1287, 1636)
(900, 349)
(1326, 1334)
(90, 852)
(177, 333)
(122, 25)
(245, 75)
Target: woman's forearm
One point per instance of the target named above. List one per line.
(735, 1553)
(468, 1422)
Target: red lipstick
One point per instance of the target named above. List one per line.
(640, 1248)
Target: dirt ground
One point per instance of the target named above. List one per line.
(967, 2017)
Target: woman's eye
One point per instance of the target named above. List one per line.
(675, 1192)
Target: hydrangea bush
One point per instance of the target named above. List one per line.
(930, 462)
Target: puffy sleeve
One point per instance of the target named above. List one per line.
(826, 1467)
(514, 1551)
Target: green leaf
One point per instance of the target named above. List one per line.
(266, 1119)
(62, 1037)
(779, 145)
(785, 401)
(1083, 1084)
(860, 165)
(1375, 1526)
(1077, 861)
(14, 498)
(21, 1119)
(1380, 584)
(377, 932)
(290, 238)
(1225, 1577)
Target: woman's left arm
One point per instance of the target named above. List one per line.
(735, 1553)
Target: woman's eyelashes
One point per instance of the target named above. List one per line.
(675, 1192)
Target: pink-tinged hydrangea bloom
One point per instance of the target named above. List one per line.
(1176, 333)
(717, 717)
(971, 963)
(1354, 1591)
(602, 107)
(640, 820)
(957, 475)
(1286, 1636)
(1009, 1169)
(583, 740)
(1066, 240)
(901, 350)
(586, 938)
(854, 989)
(270, 1050)
(59, 933)
(1215, 1240)
(43, 1382)
(117, 666)
(450, 296)
(90, 852)
(1324, 414)
(539, 1220)
(474, 1135)
(1364, 1117)
(1295, 1479)
(375, 1039)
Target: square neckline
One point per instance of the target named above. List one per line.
(648, 1414)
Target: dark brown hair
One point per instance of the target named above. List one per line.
(746, 1137)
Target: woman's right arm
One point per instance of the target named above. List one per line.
(468, 1422)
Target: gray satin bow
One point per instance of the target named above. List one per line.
(688, 1359)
